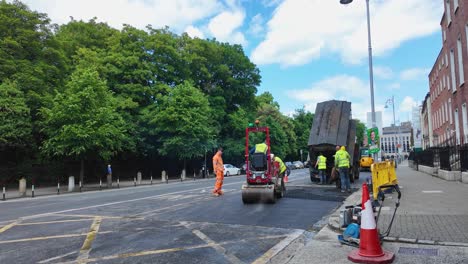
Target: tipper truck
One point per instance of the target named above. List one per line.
(333, 126)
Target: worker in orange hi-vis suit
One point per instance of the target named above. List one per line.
(218, 168)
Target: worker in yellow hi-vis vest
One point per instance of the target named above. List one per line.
(322, 168)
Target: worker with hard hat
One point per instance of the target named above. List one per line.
(218, 168)
(260, 148)
(282, 167)
(342, 163)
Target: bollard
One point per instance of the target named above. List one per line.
(151, 179)
(58, 188)
(100, 184)
(80, 186)
(118, 183)
(167, 178)
(134, 181)
(193, 175)
(182, 176)
(32, 190)
(163, 176)
(4, 196)
(139, 176)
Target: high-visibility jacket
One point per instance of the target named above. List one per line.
(261, 148)
(342, 159)
(218, 162)
(322, 165)
(282, 166)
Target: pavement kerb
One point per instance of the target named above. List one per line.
(334, 220)
(113, 189)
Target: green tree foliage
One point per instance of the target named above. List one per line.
(361, 131)
(29, 53)
(282, 136)
(181, 122)
(15, 120)
(302, 120)
(82, 120)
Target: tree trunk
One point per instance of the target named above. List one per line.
(82, 171)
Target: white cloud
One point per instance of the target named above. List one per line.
(407, 104)
(301, 30)
(394, 86)
(224, 26)
(414, 74)
(194, 32)
(341, 87)
(177, 14)
(270, 3)
(383, 72)
(256, 25)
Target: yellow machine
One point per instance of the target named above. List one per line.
(366, 160)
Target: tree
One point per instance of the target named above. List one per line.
(181, 123)
(302, 120)
(360, 132)
(83, 120)
(15, 121)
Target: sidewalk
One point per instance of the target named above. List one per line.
(431, 224)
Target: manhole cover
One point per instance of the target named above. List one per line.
(419, 251)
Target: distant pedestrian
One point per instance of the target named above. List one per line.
(218, 168)
(109, 176)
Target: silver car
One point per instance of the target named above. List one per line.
(231, 170)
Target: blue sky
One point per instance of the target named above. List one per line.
(307, 50)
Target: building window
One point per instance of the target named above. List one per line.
(452, 70)
(447, 12)
(465, 121)
(461, 75)
(455, 6)
(446, 112)
(446, 60)
(457, 126)
(450, 111)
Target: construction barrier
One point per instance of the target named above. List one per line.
(383, 173)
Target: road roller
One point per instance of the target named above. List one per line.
(263, 183)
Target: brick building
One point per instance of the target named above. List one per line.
(448, 96)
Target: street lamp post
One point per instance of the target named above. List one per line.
(392, 100)
(371, 74)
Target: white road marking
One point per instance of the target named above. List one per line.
(435, 191)
(57, 257)
(120, 202)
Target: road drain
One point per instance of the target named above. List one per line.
(419, 251)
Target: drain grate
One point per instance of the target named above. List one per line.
(419, 251)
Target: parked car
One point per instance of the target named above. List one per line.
(231, 170)
(290, 165)
(298, 164)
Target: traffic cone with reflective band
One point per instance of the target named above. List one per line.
(285, 178)
(369, 250)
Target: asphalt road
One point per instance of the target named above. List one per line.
(164, 223)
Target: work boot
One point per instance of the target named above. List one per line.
(216, 194)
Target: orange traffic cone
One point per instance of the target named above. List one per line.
(285, 178)
(369, 250)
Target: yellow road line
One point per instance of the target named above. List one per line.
(55, 222)
(5, 228)
(86, 248)
(46, 237)
(168, 250)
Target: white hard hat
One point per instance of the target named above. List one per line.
(272, 156)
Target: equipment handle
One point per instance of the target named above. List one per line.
(397, 189)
